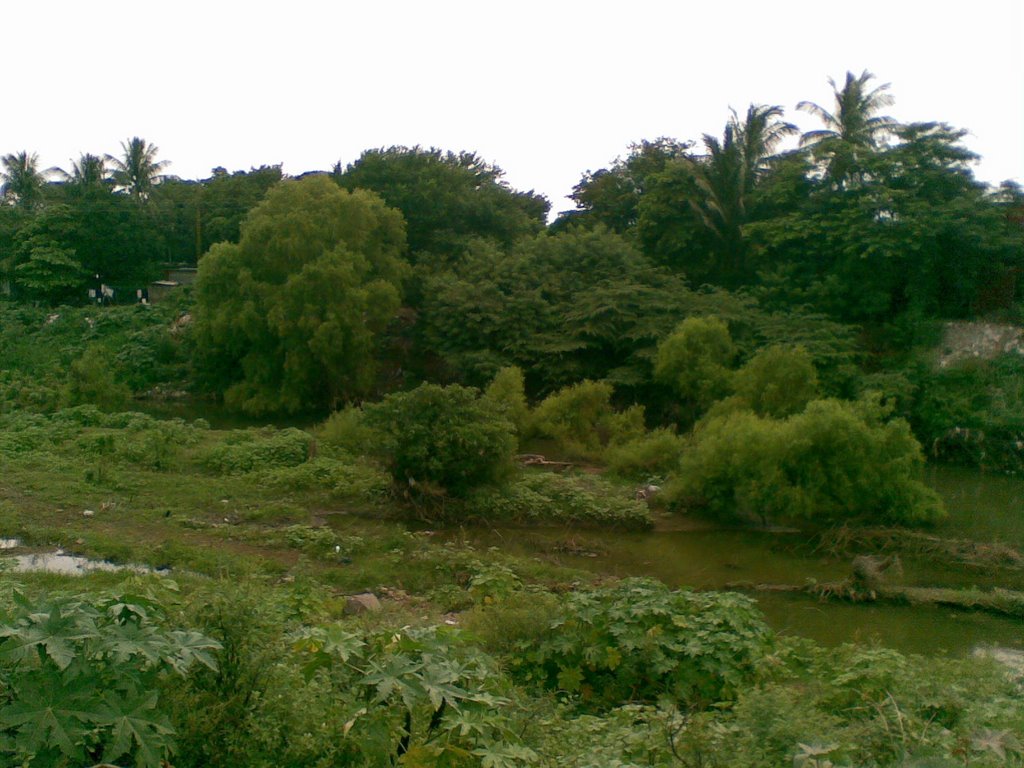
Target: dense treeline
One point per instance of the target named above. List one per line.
(866, 220)
(416, 265)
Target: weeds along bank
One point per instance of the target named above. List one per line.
(260, 672)
(477, 658)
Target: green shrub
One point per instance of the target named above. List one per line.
(638, 640)
(581, 419)
(156, 444)
(346, 430)
(20, 391)
(520, 617)
(91, 380)
(545, 497)
(695, 361)
(652, 456)
(442, 440)
(250, 450)
(424, 697)
(150, 355)
(777, 381)
(343, 479)
(835, 461)
(507, 394)
(973, 413)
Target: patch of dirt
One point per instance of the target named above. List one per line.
(978, 341)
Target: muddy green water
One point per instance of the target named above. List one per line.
(982, 507)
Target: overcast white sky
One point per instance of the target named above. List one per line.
(546, 90)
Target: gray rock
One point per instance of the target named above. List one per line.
(362, 603)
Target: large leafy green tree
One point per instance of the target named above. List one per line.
(917, 232)
(579, 304)
(227, 198)
(88, 231)
(175, 208)
(448, 200)
(288, 318)
(611, 196)
(46, 265)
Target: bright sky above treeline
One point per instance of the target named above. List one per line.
(546, 90)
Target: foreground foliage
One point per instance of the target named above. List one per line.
(639, 641)
(81, 678)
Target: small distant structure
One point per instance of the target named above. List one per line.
(100, 292)
(181, 275)
(160, 288)
(175, 276)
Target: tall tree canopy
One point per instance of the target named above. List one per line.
(448, 200)
(698, 205)
(88, 172)
(917, 232)
(288, 318)
(610, 197)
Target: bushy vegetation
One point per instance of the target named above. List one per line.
(441, 440)
(248, 450)
(582, 421)
(73, 356)
(253, 674)
(695, 361)
(82, 677)
(777, 381)
(640, 641)
(653, 455)
(542, 497)
(833, 462)
(971, 412)
(354, 479)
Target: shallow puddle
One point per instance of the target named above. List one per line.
(68, 565)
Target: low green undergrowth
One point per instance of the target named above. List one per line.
(266, 673)
(641, 641)
(542, 497)
(245, 451)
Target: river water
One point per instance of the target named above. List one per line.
(983, 507)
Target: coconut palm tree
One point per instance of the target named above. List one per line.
(22, 181)
(853, 129)
(137, 170)
(759, 136)
(727, 175)
(90, 172)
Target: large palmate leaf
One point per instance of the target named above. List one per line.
(51, 710)
(53, 634)
(137, 726)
